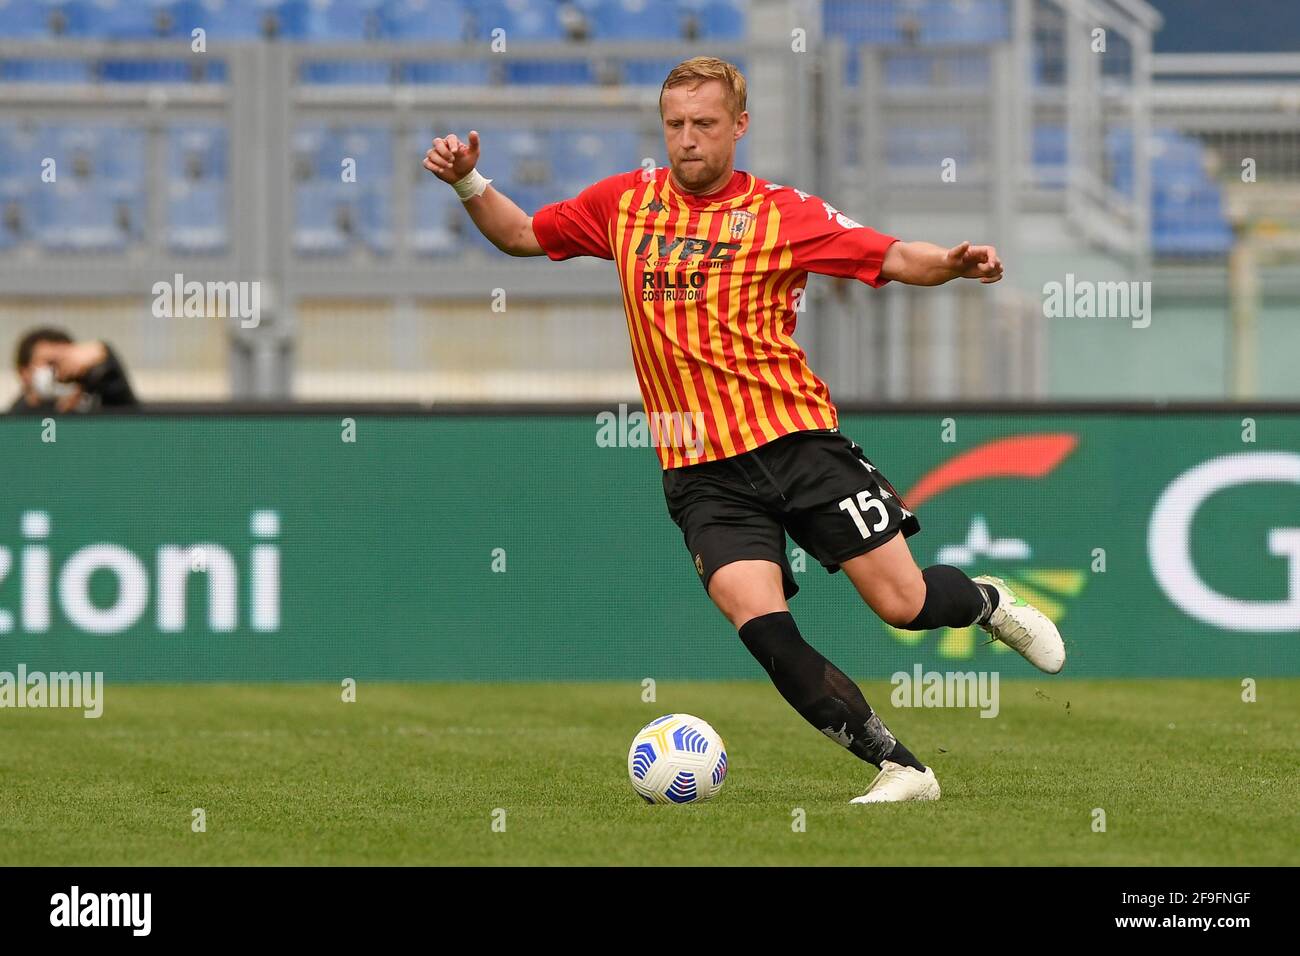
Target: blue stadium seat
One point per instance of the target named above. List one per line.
(338, 21)
(862, 21)
(715, 19)
(24, 19)
(155, 71)
(647, 72)
(963, 21)
(123, 19)
(111, 156)
(524, 72)
(197, 153)
(243, 19)
(375, 220)
(448, 73)
(347, 72)
(319, 152)
(1181, 239)
(428, 20)
(197, 217)
(437, 220)
(45, 71)
(325, 219)
(80, 217)
(20, 163)
(583, 156)
(522, 20)
(634, 19)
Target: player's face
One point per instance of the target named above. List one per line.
(701, 135)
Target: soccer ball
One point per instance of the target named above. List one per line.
(677, 759)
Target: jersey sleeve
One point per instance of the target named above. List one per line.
(580, 226)
(824, 240)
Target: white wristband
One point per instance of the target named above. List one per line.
(470, 185)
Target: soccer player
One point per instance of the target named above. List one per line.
(713, 261)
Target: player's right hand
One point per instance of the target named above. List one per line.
(450, 158)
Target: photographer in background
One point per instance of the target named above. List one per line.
(60, 375)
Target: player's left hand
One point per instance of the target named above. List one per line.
(975, 262)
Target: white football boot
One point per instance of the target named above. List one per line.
(1022, 627)
(896, 783)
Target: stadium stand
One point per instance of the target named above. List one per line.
(102, 209)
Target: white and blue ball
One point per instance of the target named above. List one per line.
(677, 759)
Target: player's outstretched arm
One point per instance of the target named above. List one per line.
(506, 226)
(924, 263)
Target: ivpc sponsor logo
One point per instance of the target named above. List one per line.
(75, 908)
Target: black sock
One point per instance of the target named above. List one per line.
(819, 690)
(952, 600)
(901, 754)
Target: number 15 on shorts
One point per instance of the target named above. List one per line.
(862, 508)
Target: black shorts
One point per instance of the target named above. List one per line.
(816, 485)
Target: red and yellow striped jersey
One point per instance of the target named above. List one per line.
(712, 286)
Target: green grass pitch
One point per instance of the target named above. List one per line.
(1186, 773)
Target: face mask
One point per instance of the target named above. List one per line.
(47, 387)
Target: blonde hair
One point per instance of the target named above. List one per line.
(698, 69)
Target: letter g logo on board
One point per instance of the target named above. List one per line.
(1169, 543)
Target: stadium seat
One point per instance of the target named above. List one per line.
(45, 71)
(632, 19)
(425, 20)
(713, 19)
(583, 156)
(862, 21)
(197, 153)
(963, 21)
(20, 163)
(321, 151)
(243, 19)
(437, 220)
(375, 218)
(447, 73)
(24, 20)
(647, 72)
(79, 217)
(123, 19)
(197, 217)
(340, 21)
(522, 20)
(325, 217)
(524, 72)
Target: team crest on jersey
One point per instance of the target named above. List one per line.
(739, 222)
